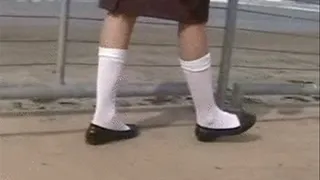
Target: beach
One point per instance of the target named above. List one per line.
(29, 52)
(45, 138)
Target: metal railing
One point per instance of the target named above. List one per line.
(63, 90)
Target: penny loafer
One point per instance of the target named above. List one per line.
(247, 121)
(96, 135)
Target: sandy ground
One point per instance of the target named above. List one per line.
(281, 146)
(279, 65)
(33, 63)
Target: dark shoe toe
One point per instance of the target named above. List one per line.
(96, 135)
(205, 134)
(247, 120)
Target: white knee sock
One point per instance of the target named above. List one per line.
(109, 71)
(199, 77)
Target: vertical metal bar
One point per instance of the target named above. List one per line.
(63, 34)
(237, 96)
(228, 40)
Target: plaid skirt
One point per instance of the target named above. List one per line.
(185, 11)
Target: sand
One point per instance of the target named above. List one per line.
(280, 67)
(33, 63)
(280, 146)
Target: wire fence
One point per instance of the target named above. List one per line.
(159, 66)
(211, 7)
(173, 24)
(173, 45)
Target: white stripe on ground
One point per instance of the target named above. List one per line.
(282, 4)
(225, 1)
(301, 8)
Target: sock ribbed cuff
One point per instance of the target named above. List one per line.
(197, 65)
(118, 55)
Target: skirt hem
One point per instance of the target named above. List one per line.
(114, 9)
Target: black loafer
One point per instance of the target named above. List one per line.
(247, 121)
(97, 135)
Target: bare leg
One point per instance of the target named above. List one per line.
(193, 41)
(114, 42)
(196, 62)
(116, 31)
